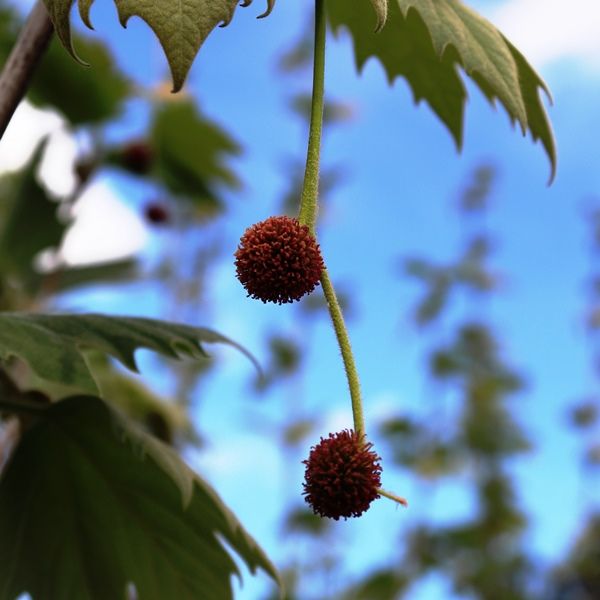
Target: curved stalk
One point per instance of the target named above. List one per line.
(309, 206)
(343, 339)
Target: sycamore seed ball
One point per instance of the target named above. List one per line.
(342, 476)
(278, 260)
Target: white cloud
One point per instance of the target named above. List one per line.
(550, 30)
(23, 134)
(105, 229)
(56, 169)
(28, 126)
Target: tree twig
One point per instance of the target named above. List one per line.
(24, 57)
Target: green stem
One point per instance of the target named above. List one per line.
(309, 204)
(310, 189)
(344, 343)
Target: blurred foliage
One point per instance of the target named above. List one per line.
(183, 159)
(579, 577)
(285, 355)
(30, 225)
(185, 155)
(84, 96)
(470, 272)
(108, 527)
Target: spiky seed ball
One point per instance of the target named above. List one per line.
(342, 476)
(278, 260)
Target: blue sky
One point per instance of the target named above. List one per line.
(398, 200)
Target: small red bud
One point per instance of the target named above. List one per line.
(156, 213)
(137, 157)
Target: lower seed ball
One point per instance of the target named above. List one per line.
(342, 476)
(278, 260)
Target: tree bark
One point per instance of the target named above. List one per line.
(24, 58)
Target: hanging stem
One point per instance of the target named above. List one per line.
(310, 190)
(24, 58)
(309, 205)
(343, 339)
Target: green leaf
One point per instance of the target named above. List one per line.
(89, 504)
(53, 345)
(66, 277)
(382, 584)
(424, 41)
(181, 27)
(190, 153)
(84, 96)
(29, 220)
(165, 418)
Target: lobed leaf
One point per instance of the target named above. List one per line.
(425, 40)
(53, 345)
(181, 27)
(104, 506)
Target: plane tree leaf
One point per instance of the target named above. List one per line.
(54, 345)
(181, 27)
(162, 416)
(90, 505)
(66, 277)
(425, 41)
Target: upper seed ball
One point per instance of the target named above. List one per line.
(278, 260)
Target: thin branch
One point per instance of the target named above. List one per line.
(24, 58)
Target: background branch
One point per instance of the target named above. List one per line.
(24, 57)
